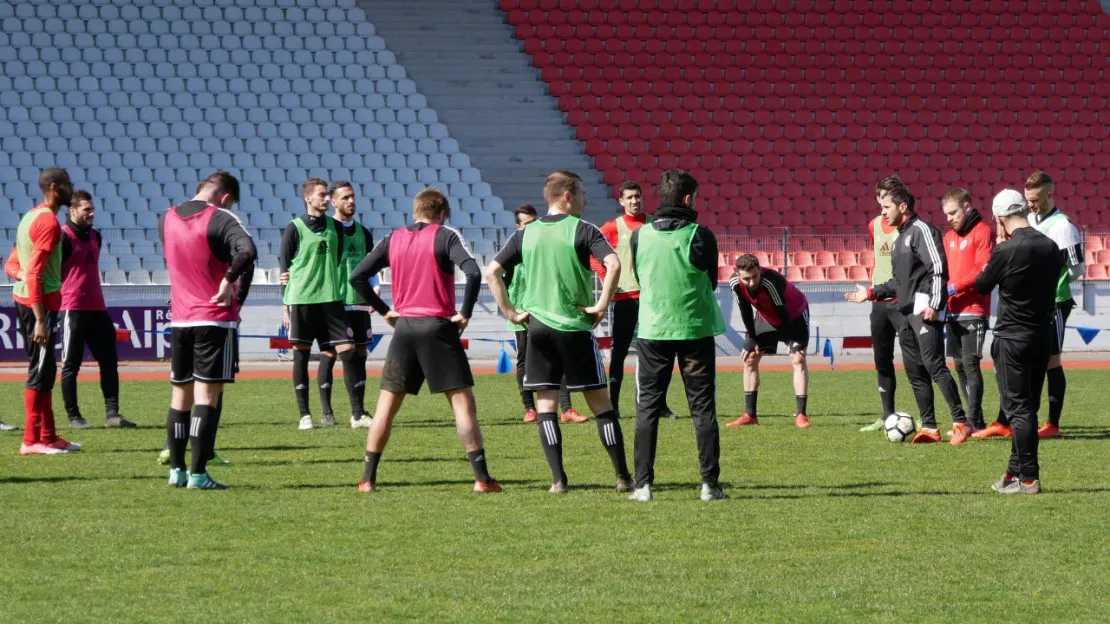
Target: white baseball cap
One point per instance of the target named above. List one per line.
(1009, 202)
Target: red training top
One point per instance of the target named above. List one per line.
(967, 253)
(420, 286)
(612, 235)
(45, 234)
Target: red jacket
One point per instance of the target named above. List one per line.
(609, 231)
(967, 252)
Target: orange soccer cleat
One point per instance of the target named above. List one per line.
(572, 416)
(801, 421)
(995, 430)
(487, 487)
(530, 415)
(926, 436)
(746, 419)
(960, 434)
(1048, 430)
(366, 487)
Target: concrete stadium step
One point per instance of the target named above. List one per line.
(464, 59)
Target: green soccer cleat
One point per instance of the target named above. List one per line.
(164, 457)
(216, 460)
(875, 426)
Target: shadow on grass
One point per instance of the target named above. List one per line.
(354, 460)
(523, 485)
(18, 480)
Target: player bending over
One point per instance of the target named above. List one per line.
(784, 308)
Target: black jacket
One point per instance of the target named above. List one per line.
(919, 266)
(1025, 269)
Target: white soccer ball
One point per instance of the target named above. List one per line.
(899, 427)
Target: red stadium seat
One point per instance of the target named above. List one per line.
(813, 274)
(858, 274)
(794, 274)
(801, 259)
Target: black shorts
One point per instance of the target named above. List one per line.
(425, 347)
(553, 354)
(1059, 323)
(42, 365)
(322, 323)
(795, 336)
(359, 322)
(91, 328)
(964, 336)
(204, 353)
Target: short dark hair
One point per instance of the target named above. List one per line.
(431, 203)
(224, 182)
(1039, 179)
(888, 184)
(312, 183)
(339, 184)
(747, 262)
(523, 209)
(53, 175)
(629, 185)
(80, 195)
(958, 195)
(675, 184)
(558, 183)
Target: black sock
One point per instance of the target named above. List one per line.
(552, 440)
(370, 466)
(359, 362)
(609, 429)
(800, 402)
(210, 442)
(478, 465)
(528, 398)
(323, 382)
(109, 387)
(200, 431)
(1002, 419)
(1057, 386)
(177, 436)
(564, 398)
(350, 380)
(888, 383)
(750, 399)
(300, 380)
(615, 392)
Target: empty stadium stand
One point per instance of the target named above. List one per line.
(138, 102)
(788, 112)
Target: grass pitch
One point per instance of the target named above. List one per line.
(824, 525)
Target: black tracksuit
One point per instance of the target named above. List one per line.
(921, 270)
(1025, 269)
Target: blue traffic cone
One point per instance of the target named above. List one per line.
(504, 366)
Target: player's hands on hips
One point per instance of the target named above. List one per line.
(392, 316)
(224, 295)
(860, 296)
(518, 317)
(460, 321)
(285, 317)
(40, 333)
(283, 279)
(595, 312)
(929, 314)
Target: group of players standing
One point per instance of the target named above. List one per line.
(661, 272)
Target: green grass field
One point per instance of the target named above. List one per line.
(824, 525)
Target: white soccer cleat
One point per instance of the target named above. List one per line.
(306, 423)
(363, 422)
(641, 494)
(712, 492)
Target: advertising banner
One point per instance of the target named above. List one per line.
(142, 321)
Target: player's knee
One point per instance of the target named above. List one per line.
(327, 353)
(798, 358)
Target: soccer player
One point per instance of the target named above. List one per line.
(678, 316)
(967, 247)
(38, 297)
(425, 346)
(85, 319)
(784, 308)
(356, 242)
(210, 259)
(1048, 220)
(1025, 266)
(626, 302)
(554, 256)
(886, 319)
(920, 281)
(313, 298)
(525, 214)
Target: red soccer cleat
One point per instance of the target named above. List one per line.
(926, 436)
(995, 430)
(746, 419)
(960, 433)
(530, 415)
(1048, 430)
(801, 421)
(366, 487)
(572, 416)
(488, 487)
